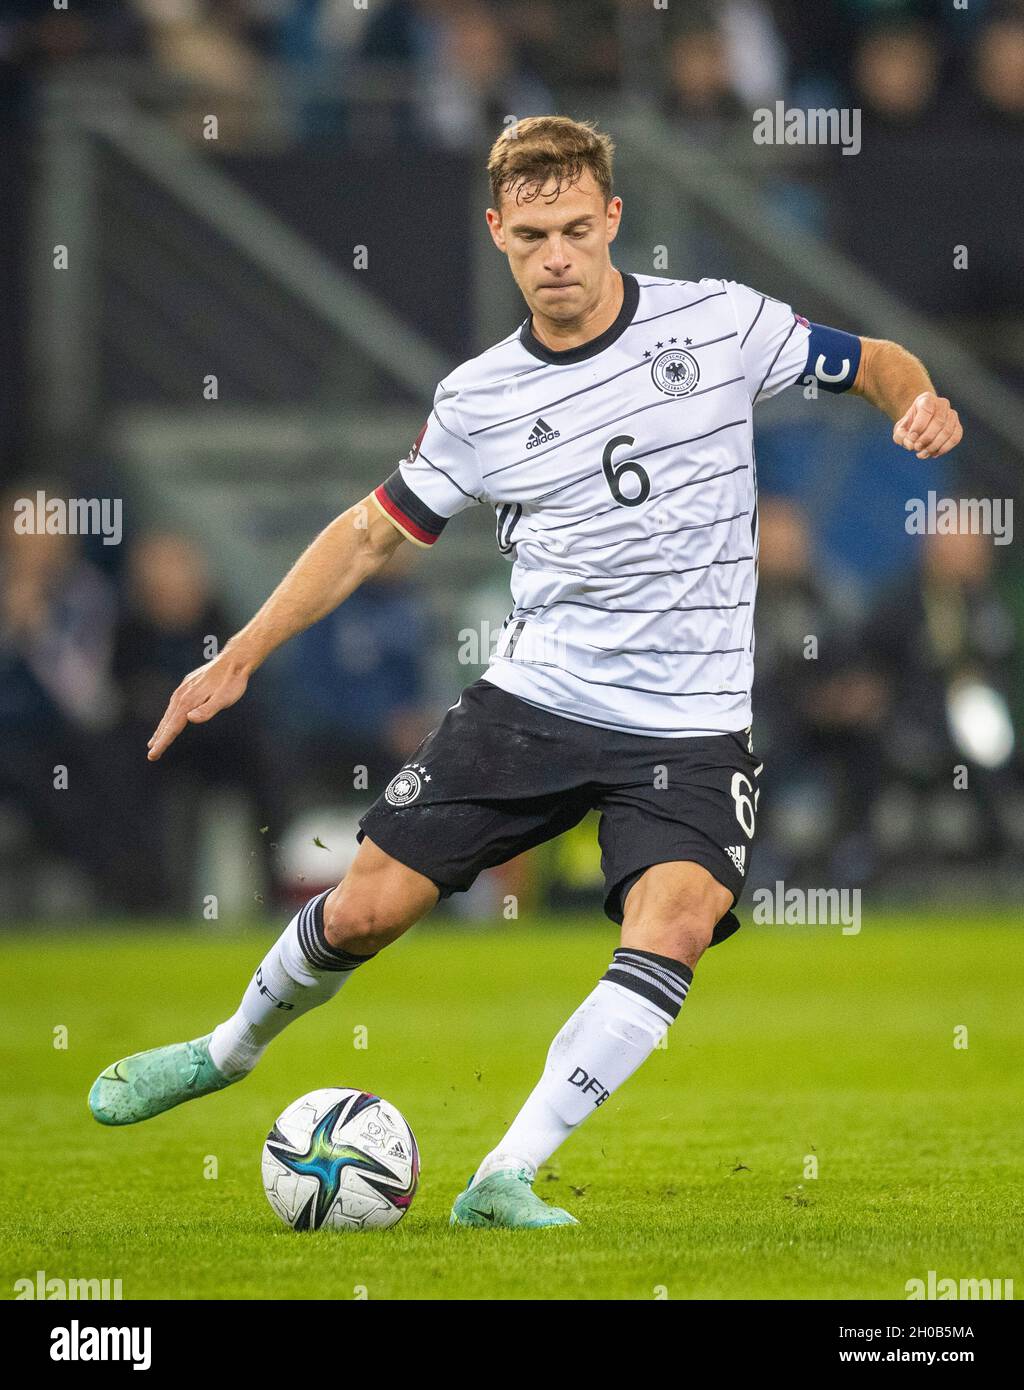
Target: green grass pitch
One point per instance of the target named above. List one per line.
(689, 1183)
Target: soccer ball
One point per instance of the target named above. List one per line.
(342, 1160)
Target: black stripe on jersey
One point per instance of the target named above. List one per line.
(754, 528)
(492, 386)
(531, 414)
(422, 458)
(638, 574)
(774, 360)
(752, 322)
(612, 607)
(594, 429)
(680, 309)
(663, 651)
(654, 574)
(402, 495)
(617, 582)
(505, 342)
(617, 685)
(605, 511)
(674, 531)
(595, 386)
(647, 453)
(691, 569)
(515, 375)
(449, 431)
(607, 424)
(709, 477)
(796, 378)
(729, 424)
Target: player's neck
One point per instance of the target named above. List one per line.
(560, 336)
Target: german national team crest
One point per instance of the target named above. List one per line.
(675, 372)
(406, 785)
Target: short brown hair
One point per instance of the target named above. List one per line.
(526, 155)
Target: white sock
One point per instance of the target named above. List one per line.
(610, 1034)
(299, 972)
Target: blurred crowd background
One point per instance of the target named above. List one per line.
(893, 747)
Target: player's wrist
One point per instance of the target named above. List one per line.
(243, 655)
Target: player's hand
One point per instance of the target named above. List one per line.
(930, 428)
(203, 693)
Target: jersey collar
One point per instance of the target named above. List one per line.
(630, 299)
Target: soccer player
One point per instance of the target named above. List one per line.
(611, 433)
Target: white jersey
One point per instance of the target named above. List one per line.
(623, 481)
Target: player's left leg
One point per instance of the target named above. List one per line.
(333, 934)
(670, 914)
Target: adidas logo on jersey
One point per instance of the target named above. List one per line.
(541, 434)
(738, 855)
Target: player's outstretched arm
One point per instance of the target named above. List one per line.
(349, 551)
(893, 379)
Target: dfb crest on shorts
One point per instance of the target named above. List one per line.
(406, 785)
(675, 372)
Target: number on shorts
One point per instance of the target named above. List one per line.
(746, 803)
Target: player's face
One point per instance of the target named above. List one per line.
(557, 246)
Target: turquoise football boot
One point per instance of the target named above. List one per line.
(506, 1199)
(147, 1083)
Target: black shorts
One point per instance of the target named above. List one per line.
(499, 776)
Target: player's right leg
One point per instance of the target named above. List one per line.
(376, 901)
